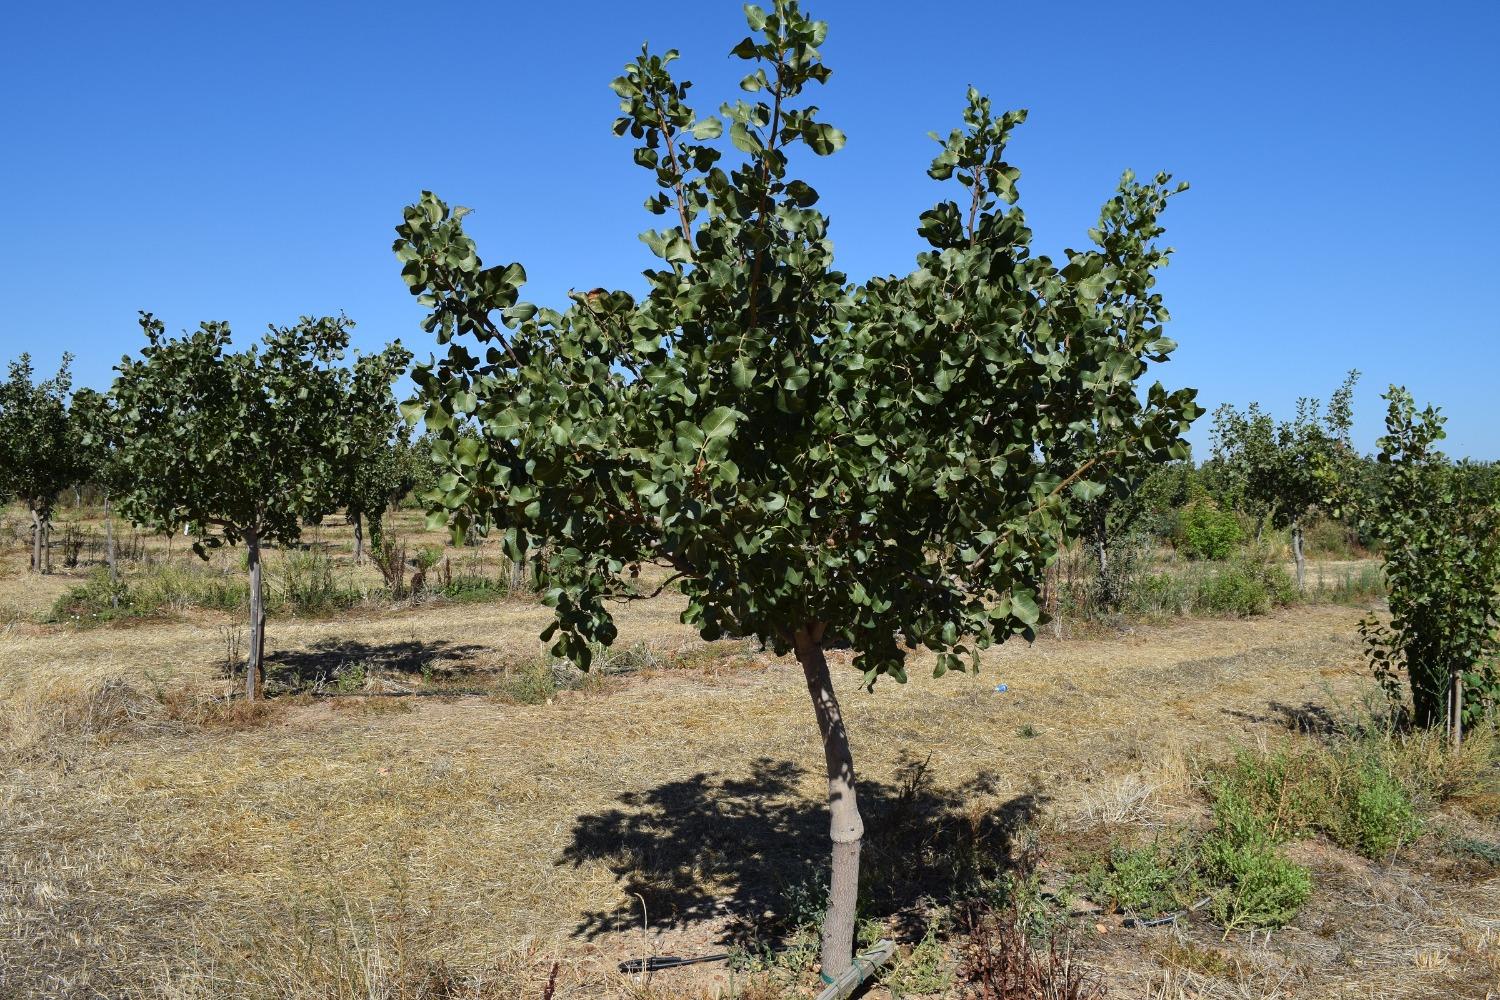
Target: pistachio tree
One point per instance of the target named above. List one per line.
(1439, 532)
(37, 457)
(97, 436)
(1282, 471)
(816, 461)
(239, 446)
(377, 465)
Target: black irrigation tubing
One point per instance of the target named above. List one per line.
(1170, 918)
(659, 962)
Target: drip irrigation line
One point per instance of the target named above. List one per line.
(1170, 918)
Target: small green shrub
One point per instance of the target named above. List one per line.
(533, 684)
(1264, 794)
(162, 587)
(1158, 595)
(1147, 881)
(474, 589)
(305, 584)
(1346, 789)
(96, 599)
(1208, 532)
(1473, 850)
(1250, 882)
(1232, 591)
(924, 970)
(351, 677)
(1351, 586)
(1372, 811)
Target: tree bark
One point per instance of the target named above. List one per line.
(359, 538)
(1101, 553)
(1298, 555)
(377, 529)
(846, 828)
(1456, 708)
(109, 555)
(254, 664)
(36, 540)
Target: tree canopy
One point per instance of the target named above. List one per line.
(1279, 472)
(889, 463)
(37, 457)
(1440, 535)
(240, 445)
(377, 465)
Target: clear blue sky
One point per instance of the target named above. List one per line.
(248, 161)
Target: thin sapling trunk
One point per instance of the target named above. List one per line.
(36, 541)
(109, 555)
(254, 665)
(1298, 555)
(359, 538)
(846, 827)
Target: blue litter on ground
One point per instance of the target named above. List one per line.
(1002, 688)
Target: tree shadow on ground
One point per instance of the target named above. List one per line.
(323, 660)
(1309, 717)
(752, 853)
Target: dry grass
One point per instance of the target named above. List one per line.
(420, 839)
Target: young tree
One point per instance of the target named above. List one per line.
(1441, 541)
(377, 465)
(1281, 472)
(878, 465)
(248, 443)
(97, 436)
(37, 460)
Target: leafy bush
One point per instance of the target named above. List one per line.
(1264, 794)
(1147, 881)
(1233, 592)
(921, 971)
(1346, 789)
(351, 677)
(1250, 882)
(305, 585)
(1207, 531)
(162, 587)
(1331, 539)
(1374, 813)
(1351, 587)
(1440, 531)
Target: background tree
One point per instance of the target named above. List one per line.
(377, 465)
(248, 444)
(878, 465)
(96, 427)
(1441, 541)
(37, 457)
(1281, 472)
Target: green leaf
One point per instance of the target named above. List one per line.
(708, 128)
(720, 422)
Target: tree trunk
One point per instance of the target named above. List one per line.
(377, 529)
(846, 828)
(1298, 555)
(359, 538)
(47, 543)
(109, 555)
(1456, 708)
(254, 663)
(1101, 553)
(36, 541)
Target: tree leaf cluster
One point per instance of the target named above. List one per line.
(892, 461)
